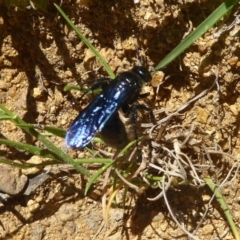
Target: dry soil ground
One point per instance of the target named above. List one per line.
(40, 54)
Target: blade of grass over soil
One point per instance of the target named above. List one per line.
(27, 165)
(51, 147)
(198, 32)
(93, 179)
(87, 42)
(45, 153)
(224, 206)
(51, 130)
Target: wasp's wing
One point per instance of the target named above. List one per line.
(89, 121)
(80, 133)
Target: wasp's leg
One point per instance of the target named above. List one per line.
(142, 107)
(133, 116)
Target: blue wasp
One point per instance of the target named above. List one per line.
(120, 92)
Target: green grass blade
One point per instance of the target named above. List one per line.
(4, 116)
(27, 165)
(64, 157)
(199, 31)
(86, 91)
(53, 130)
(87, 42)
(224, 206)
(126, 148)
(70, 87)
(93, 179)
(93, 160)
(45, 153)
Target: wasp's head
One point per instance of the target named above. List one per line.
(143, 73)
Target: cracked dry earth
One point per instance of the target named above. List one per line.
(40, 54)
